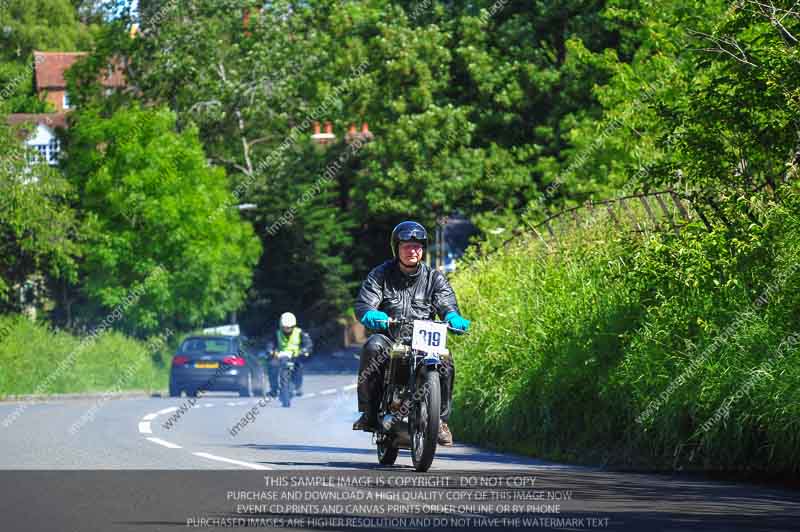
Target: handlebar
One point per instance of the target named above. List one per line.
(283, 354)
(400, 321)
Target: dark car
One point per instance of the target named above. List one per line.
(216, 363)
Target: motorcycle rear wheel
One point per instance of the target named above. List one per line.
(286, 387)
(425, 424)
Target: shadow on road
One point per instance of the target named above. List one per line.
(442, 455)
(344, 361)
(388, 499)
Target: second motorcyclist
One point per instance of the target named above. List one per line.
(288, 337)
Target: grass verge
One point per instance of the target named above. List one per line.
(35, 359)
(660, 351)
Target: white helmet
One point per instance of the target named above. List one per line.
(288, 320)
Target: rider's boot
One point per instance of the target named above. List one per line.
(445, 436)
(366, 422)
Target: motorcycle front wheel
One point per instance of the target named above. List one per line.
(425, 424)
(387, 453)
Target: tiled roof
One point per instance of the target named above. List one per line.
(51, 120)
(50, 68)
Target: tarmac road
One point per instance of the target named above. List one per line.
(220, 462)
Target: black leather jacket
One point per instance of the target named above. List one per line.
(421, 295)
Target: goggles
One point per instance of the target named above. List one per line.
(412, 234)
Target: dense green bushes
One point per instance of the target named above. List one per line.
(35, 359)
(659, 351)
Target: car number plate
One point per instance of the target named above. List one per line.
(429, 337)
(206, 364)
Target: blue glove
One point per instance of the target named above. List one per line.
(456, 321)
(375, 320)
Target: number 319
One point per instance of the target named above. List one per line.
(433, 338)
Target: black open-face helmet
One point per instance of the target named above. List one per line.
(408, 232)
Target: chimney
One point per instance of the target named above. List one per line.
(351, 134)
(246, 21)
(323, 138)
(366, 134)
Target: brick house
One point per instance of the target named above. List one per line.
(39, 133)
(49, 84)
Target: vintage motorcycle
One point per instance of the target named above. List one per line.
(410, 406)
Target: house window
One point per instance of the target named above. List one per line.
(55, 149)
(65, 101)
(46, 152)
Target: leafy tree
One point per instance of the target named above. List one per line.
(37, 225)
(471, 109)
(250, 102)
(25, 26)
(49, 25)
(707, 102)
(145, 193)
(519, 69)
(18, 96)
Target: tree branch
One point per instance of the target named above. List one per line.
(229, 163)
(739, 54)
(248, 168)
(771, 12)
(259, 140)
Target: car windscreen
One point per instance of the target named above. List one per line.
(205, 345)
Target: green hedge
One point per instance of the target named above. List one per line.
(36, 359)
(657, 351)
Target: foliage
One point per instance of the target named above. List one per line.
(28, 25)
(147, 195)
(461, 106)
(565, 359)
(48, 25)
(706, 103)
(111, 362)
(37, 224)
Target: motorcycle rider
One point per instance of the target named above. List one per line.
(288, 337)
(402, 287)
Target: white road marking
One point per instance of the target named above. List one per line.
(229, 461)
(329, 391)
(165, 443)
(145, 428)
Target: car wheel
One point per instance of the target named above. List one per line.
(174, 389)
(247, 389)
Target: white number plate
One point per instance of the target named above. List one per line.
(429, 337)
